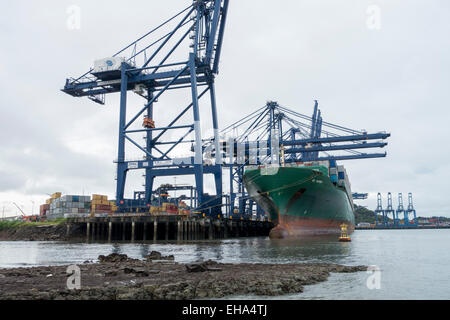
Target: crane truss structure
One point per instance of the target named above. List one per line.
(401, 210)
(380, 211)
(390, 211)
(410, 211)
(277, 135)
(153, 66)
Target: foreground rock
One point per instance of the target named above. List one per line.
(157, 256)
(203, 267)
(118, 277)
(114, 258)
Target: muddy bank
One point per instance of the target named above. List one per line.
(118, 277)
(51, 232)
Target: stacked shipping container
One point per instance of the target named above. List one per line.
(69, 206)
(82, 206)
(44, 209)
(101, 206)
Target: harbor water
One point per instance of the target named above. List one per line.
(408, 264)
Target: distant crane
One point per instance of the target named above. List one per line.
(23, 213)
(379, 210)
(389, 210)
(401, 210)
(411, 210)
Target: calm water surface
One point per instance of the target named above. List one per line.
(414, 264)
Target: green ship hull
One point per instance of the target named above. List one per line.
(301, 201)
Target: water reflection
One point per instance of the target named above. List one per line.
(198, 253)
(144, 251)
(251, 250)
(116, 248)
(317, 249)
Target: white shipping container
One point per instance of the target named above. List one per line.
(108, 64)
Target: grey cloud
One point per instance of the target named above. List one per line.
(11, 181)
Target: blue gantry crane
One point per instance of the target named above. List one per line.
(277, 135)
(380, 211)
(181, 56)
(153, 67)
(401, 210)
(390, 211)
(410, 211)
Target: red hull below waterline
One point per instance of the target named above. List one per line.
(293, 227)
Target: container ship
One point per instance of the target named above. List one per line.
(303, 199)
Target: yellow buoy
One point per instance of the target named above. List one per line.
(344, 234)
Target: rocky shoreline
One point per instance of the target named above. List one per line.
(117, 277)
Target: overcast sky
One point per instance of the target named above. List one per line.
(389, 75)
